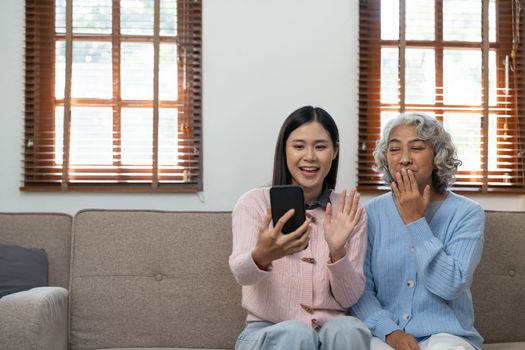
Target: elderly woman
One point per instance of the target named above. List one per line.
(424, 243)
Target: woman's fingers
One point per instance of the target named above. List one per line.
(413, 181)
(414, 345)
(297, 240)
(395, 189)
(278, 227)
(399, 182)
(426, 195)
(328, 213)
(276, 244)
(300, 230)
(406, 180)
(356, 208)
(303, 240)
(349, 202)
(267, 218)
(342, 202)
(359, 213)
(406, 183)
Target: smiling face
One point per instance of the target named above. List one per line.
(309, 155)
(407, 151)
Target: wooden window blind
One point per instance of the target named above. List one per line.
(461, 61)
(113, 95)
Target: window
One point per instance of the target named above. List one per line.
(113, 95)
(460, 61)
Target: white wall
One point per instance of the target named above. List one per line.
(262, 59)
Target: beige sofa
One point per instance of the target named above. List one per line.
(153, 279)
(37, 319)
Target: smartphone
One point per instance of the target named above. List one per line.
(284, 198)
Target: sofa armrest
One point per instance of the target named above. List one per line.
(34, 319)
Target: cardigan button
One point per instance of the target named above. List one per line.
(307, 308)
(308, 260)
(512, 273)
(315, 325)
(158, 277)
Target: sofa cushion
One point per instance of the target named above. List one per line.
(22, 269)
(153, 279)
(49, 231)
(499, 281)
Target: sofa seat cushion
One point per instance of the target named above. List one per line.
(146, 279)
(504, 346)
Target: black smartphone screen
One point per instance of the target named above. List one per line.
(284, 198)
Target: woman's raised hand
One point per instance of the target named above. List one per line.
(339, 227)
(272, 244)
(411, 204)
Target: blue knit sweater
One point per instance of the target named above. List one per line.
(419, 275)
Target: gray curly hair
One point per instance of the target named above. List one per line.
(432, 132)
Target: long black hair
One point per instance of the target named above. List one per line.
(301, 116)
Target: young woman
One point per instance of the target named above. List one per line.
(296, 288)
(424, 243)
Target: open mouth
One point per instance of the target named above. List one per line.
(309, 170)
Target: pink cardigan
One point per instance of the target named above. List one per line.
(304, 286)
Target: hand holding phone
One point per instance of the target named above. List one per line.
(272, 244)
(282, 199)
(281, 240)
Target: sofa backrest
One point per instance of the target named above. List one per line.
(498, 288)
(49, 231)
(156, 278)
(153, 279)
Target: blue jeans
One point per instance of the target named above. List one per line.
(344, 332)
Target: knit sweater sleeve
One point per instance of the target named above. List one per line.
(347, 280)
(247, 217)
(380, 321)
(446, 268)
